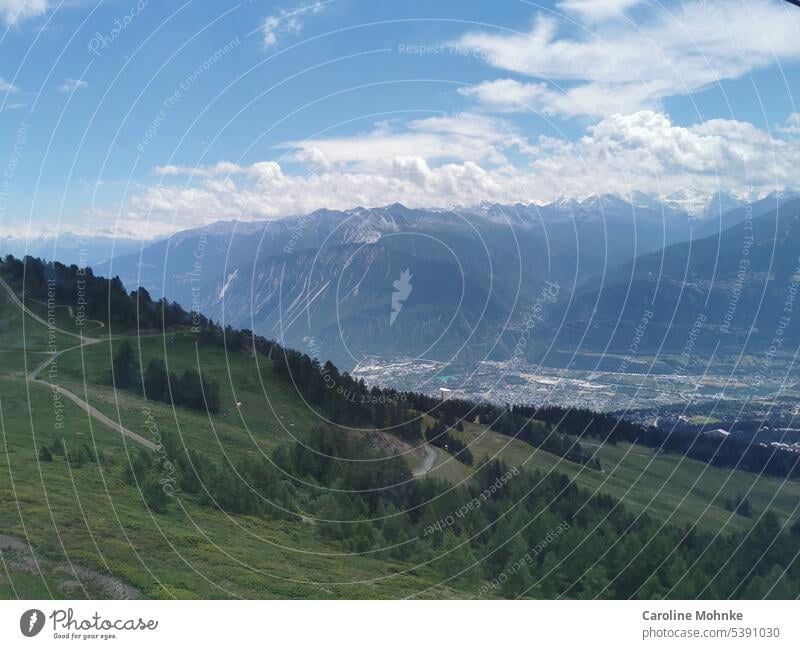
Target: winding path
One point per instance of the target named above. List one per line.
(83, 405)
(428, 462)
(15, 299)
(86, 407)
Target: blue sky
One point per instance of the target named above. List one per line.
(146, 117)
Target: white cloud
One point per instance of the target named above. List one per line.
(287, 21)
(454, 137)
(791, 126)
(642, 151)
(71, 85)
(15, 11)
(597, 9)
(6, 86)
(669, 53)
(646, 151)
(268, 192)
(595, 99)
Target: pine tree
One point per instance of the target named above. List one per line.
(125, 374)
(743, 507)
(57, 447)
(211, 394)
(155, 380)
(153, 493)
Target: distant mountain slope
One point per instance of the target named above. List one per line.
(324, 282)
(733, 291)
(69, 248)
(467, 279)
(724, 212)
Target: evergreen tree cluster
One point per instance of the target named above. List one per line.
(345, 400)
(518, 422)
(506, 533)
(514, 421)
(94, 297)
(189, 389)
(77, 456)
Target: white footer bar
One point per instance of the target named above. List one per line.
(401, 625)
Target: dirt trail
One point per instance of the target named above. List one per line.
(427, 464)
(84, 342)
(15, 299)
(89, 409)
(71, 311)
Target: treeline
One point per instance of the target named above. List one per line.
(345, 400)
(582, 422)
(729, 452)
(518, 422)
(189, 389)
(92, 297)
(513, 421)
(106, 300)
(348, 401)
(506, 533)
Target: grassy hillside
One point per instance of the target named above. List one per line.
(85, 517)
(82, 521)
(665, 485)
(91, 532)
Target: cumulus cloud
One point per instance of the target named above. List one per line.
(288, 21)
(648, 148)
(667, 53)
(642, 151)
(71, 85)
(267, 191)
(15, 11)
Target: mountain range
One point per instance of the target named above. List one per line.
(325, 282)
(732, 293)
